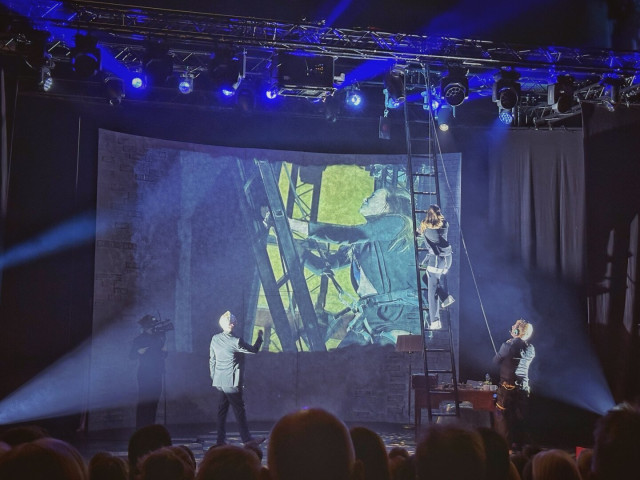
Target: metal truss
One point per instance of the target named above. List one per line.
(192, 37)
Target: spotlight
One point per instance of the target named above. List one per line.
(506, 89)
(435, 101)
(185, 84)
(560, 94)
(354, 97)
(271, 93)
(394, 85)
(139, 82)
(331, 108)
(445, 117)
(85, 56)
(226, 70)
(506, 116)
(454, 87)
(114, 89)
(157, 64)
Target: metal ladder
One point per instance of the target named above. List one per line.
(422, 169)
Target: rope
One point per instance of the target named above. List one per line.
(463, 241)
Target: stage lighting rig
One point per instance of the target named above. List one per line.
(226, 70)
(454, 86)
(85, 56)
(560, 94)
(309, 76)
(506, 89)
(157, 65)
(114, 89)
(394, 86)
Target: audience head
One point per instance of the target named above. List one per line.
(554, 465)
(519, 460)
(145, 440)
(401, 465)
(617, 444)
(450, 452)
(229, 462)
(370, 450)
(38, 460)
(497, 454)
(105, 466)
(310, 444)
(165, 464)
(23, 434)
(186, 454)
(513, 473)
(584, 463)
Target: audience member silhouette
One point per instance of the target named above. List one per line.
(616, 447)
(143, 441)
(584, 463)
(401, 465)
(497, 454)
(450, 452)
(370, 450)
(42, 460)
(165, 464)
(311, 444)
(554, 464)
(23, 434)
(229, 462)
(105, 466)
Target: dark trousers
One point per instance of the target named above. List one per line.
(149, 391)
(231, 396)
(510, 416)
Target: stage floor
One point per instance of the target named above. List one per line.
(199, 438)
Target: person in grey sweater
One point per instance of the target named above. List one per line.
(225, 365)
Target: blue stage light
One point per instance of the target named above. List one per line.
(271, 93)
(138, 82)
(354, 98)
(506, 116)
(185, 86)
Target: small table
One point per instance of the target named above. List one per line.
(479, 398)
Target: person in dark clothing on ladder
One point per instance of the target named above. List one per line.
(381, 259)
(437, 263)
(514, 358)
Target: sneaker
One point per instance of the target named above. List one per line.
(447, 301)
(436, 325)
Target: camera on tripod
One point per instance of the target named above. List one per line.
(162, 326)
(149, 322)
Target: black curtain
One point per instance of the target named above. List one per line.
(537, 198)
(612, 180)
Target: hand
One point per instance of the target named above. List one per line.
(142, 350)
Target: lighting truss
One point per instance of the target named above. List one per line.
(192, 37)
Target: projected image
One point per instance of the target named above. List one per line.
(350, 229)
(315, 250)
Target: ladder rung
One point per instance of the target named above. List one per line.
(440, 371)
(444, 414)
(418, 174)
(423, 193)
(437, 350)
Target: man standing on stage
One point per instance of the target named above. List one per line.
(150, 350)
(225, 365)
(514, 357)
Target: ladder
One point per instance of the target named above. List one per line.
(422, 170)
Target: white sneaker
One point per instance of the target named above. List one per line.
(447, 301)
(436, 325)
